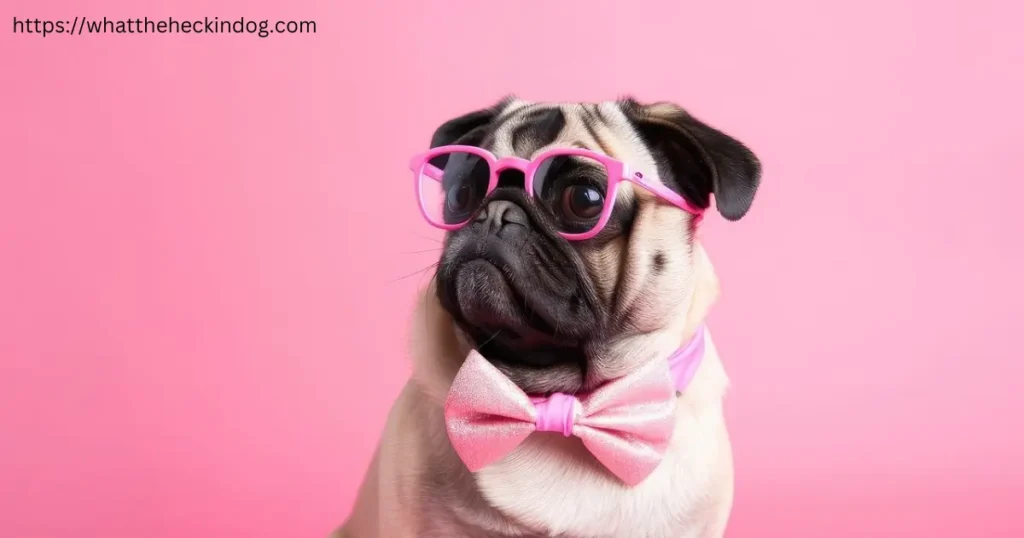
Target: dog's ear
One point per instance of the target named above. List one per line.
(468, 128)
(701, 159)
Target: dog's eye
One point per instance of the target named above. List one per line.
(582, 202)
(459, 197)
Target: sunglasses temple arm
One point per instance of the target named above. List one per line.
(673, 197)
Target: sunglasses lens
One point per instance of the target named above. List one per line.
(572, 189)
(452, 186)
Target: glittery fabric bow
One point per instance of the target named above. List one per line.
(626, 423)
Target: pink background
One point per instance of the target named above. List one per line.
(201, 328)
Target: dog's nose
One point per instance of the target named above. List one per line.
(504, 218)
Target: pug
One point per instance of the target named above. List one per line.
(563, 286)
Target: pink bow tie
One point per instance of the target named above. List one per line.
(626, 423)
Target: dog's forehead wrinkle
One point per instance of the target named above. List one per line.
(537, 128)
(516, 121)
(600, 127)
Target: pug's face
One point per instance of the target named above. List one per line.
(554, 314)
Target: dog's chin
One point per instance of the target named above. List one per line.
(501, 319)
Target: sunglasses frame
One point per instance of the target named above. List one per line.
(617, 170)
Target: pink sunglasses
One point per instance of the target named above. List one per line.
(452, 183)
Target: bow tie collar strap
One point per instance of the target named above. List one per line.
(626, 423)
(684, 362)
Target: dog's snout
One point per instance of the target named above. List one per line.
(504, 218)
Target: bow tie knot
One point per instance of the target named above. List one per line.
(557, 413)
